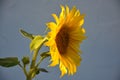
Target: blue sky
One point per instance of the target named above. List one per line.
(101, 51)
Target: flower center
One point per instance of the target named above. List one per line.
(62, 40)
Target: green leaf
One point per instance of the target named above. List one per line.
(43, 70)
(26, 34)
(9, 61)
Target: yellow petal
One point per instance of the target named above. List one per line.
(62, 14)
(67, 10)
(63, 69)
(83, 30)
(56, 18)
(51, 25)
(72, 12)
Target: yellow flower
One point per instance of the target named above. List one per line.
(65, 38)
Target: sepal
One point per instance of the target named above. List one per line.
(36, 42)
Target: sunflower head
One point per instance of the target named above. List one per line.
(65, 38)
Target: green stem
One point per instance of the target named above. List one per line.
(41, 58)
(28, 78)
(24, 70)
(34, 58)
(36, 53)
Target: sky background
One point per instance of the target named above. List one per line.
(101, 50)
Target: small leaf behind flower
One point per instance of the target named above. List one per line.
(43, 70)
(45, 54)
(9, 61)
(37, 71)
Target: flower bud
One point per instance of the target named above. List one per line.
(25, 60)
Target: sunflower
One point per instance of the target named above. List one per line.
(65, 37)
